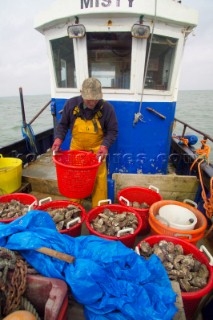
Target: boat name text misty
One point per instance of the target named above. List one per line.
(104, 3)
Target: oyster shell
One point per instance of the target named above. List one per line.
(145, 249)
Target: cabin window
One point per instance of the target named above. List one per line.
(160, 63)
(109, 58)
(64, 64)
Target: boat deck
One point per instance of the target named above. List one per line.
(41, 176)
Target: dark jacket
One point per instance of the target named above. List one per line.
(103, 109)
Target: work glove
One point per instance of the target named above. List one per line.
(56, 145)
(102, 152)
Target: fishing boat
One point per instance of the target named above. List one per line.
(135, 48)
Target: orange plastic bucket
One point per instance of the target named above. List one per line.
(73, 231)
(129, 239)
(186, 237)
(139, 194)
(189, 235)
(24, 198)
(191, 300)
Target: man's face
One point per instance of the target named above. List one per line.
(90, 104)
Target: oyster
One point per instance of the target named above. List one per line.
(138, 205)
(145, 249)
(159, 252)
(203, 271)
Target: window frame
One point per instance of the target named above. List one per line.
(137, 61)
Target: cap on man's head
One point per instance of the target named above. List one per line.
(91, 89)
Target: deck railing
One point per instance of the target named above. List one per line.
(185, 126)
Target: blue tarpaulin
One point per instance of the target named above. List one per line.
(109, 279)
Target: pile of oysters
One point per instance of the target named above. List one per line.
(110, 223)
(191, 274)
(138, 205)
(65, 217)
(12, 209)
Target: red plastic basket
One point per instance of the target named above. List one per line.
(140, 195)
(24, 198)
(191, 300)
(129, 239)
(76, 173)
(73, 231)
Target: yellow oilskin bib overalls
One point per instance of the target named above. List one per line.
(87, 135)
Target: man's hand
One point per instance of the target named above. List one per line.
(102, 152)
(56, 145)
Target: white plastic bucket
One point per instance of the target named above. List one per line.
(178, 217)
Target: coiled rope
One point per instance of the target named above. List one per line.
(208, 202)
(203, 153)
(12, 288)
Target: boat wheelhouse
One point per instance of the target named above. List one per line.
(134, 47)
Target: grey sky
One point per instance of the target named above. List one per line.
(23, 56)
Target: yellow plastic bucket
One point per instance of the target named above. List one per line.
(10, 174)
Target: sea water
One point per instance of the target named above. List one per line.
(196, 109)
(193, 107)
(11, 116)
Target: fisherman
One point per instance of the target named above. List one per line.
(94, 127)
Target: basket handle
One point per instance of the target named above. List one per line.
(106, 200)
(57, 153)
(137, 250)
(192, 203)
(120, 232)
(71, 222)
(30, 207)
(182, 235)
(48, 199)
(124, 199)
(204, 249)
(154, 188)
(1, 156)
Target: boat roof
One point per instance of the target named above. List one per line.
(63, 11)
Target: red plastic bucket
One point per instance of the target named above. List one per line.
(129, 239)
(73, 231)
(140, 195)
(191, 300)
(76, 173)
(24, 198)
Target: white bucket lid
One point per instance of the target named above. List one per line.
(178, 217)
